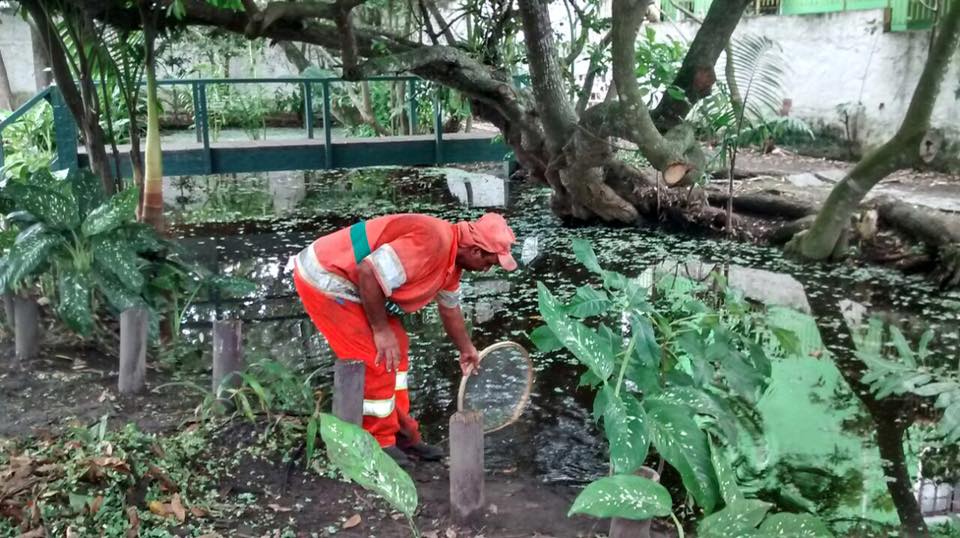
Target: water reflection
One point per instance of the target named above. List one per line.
(811, 414)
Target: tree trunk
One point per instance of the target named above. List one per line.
(6, 92)
(938, 231)
(902, 150)
(890, 430)
(153, 166)
(696, 75)
(41, 59)
(83, 110)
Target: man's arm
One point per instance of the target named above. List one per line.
(374, 306)
(453, 324)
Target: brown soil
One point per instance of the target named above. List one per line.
(70, 386)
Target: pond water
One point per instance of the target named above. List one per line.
(250, 225)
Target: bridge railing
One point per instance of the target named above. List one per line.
(66, 135)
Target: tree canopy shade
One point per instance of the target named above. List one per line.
(558, 142)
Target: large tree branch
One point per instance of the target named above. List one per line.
(696, 75)
(556, 112)
(902, 150)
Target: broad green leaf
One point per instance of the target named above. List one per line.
(115, 257)
(544, 339)
(86, 187)
(588, 302)
(902, 346)
(741, 376)
(934, 389)
(680, 441)
(53, 208)
(143, 238)
(646, 349)
(118, 210)
(357, 454)
(74, 301)
(581, 340)
(27, 254)
(729, 489)
(626, 431)
(615, 280)
(788, 340)
(117, 295)
(233, 286)
(740, 518)
(623, 496)
(795, 526)
(585, 255)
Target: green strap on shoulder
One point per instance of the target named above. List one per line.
(358, 238)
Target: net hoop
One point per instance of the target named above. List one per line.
(522, 402)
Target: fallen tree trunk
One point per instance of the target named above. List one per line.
(933, 228)
(767, 204)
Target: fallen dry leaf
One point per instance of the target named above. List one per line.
(38, 532)
(71, 533)
(134, 518)
(95, 504)
(278, 508)
(167, 483)
(450, 533)
(159, 508)
(198, 512)
(352, 522)
(431, 534)
(177, 508)
(211, 535)
(494, 509)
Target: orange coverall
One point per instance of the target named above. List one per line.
(413, 257)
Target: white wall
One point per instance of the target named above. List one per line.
(17, 50)
(847, 58)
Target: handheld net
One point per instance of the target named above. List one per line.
(502, 388)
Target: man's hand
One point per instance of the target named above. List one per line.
(388, 349)
(469, 360)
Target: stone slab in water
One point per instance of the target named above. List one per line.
(805, 179)
(766, 287)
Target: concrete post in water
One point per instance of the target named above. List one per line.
(133, 349)
(348, 379)
(466, 467)
(26, 314)
(227, 354)
(632, 528)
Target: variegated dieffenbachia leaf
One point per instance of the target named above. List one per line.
(117, 211)
(27, 254)
(588, 302)
(624, 424)
(73, 306)
(359, 457)
(57, 208)
(117, 295)
(581, 340)
(583, 250)
(684, 445)
(623, 496)
(794, 526)
(739, 518)
(114, 256)
(86, 186)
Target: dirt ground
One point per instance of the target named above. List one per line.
(66, 387)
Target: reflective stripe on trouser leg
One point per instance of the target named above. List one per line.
(379, 408)
(409, 432)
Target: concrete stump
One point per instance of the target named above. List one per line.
(227, 355)
(26, 315)
(133, 349)
(348, 378)
(632, 528)
(9, 309)
(466, 467)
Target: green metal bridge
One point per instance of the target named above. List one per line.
(204, 156)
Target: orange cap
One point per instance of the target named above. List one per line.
(491, 233)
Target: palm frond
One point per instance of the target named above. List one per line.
(759, 72)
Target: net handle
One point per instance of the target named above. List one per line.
(522, 402)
